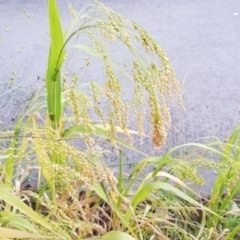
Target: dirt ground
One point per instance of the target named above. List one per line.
(201, 38)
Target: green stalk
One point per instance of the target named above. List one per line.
(55, 60)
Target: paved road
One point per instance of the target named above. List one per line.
(202, 39)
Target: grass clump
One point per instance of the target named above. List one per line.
(60, 143)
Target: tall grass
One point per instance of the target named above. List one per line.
(77, 196)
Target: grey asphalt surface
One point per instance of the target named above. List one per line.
(201, 38)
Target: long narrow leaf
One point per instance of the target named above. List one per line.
(146, 190)
(98, 131)
(11, 199)
(102, 193)
(55, 59)
(117, 235)
(6, 233)
(16, 221)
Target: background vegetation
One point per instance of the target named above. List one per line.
(63, 136)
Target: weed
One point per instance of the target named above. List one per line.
(77, 196)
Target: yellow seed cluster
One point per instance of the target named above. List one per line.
(87, 164)
(186, 171)
(79, 103)
(152, 78)
(158, 135)
(96, 92)
(72, 11)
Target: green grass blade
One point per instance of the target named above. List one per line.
(147, 189)
(88, 50)
(55, 59)
(16, 221)
(198, 146)
(102, 193)
(120, 175)
(7, 233)
(233, 141)
(117, 235)
(22, 207)
(133, 176)
(233, 232)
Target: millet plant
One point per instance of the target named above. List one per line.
(77, 195)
